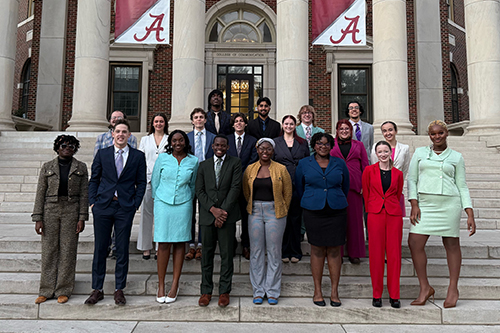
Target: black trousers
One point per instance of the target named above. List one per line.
(291, 237)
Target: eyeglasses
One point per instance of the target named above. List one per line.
(353, 108)
(116, 118)
(321, 144)
(64, 146)
(307, 112)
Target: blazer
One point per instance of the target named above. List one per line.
(174, 183)
(401, 157)
(273, 129)
(224, 196)
(48, 188)
(104, 182)
(248, 153)
(316, 188)
(373, 193)
(302, 134)
(282, 187)
(151, 151)
(442, 174)
(225, 123)
(290, 159)
(366, 136)
(356, 162)
(208, 145)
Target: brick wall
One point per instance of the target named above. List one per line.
(35, 51)
(445, 47)
(69, 71)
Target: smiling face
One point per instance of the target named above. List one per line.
(66, 150)
(220, 147)
(438, 135)
(178, 143)
(383, 153)
(199, 121)
(159, 124)
(389, 132)
(216, 100)
(263, 109)
(344, 132)
(265, 151)
(289, 126)
(307, 117)
(121, 134)
(322, 147)
(354, 111)
(239, 125)
(115, 116)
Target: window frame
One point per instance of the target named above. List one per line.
(368, 108)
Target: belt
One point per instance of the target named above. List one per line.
(115, 198)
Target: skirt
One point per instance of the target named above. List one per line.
(326, 227)
(439, 215)
(172, 222)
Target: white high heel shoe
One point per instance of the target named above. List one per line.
(172, 299)
(159, 299)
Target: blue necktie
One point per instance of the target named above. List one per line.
(198, 150)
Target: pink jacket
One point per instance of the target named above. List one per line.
(356, 162)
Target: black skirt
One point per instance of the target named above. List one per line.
(326, 227)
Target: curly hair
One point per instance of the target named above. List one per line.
(438, 123)
(69, 139)
(361, 109)
(187, 148)
(318, 136)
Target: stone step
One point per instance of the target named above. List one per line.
(481, 224)
(291, 286)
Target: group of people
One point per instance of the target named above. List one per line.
(274, 178)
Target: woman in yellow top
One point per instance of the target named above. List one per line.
(267, 187)
(437, 192)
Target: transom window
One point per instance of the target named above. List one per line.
(240, 26)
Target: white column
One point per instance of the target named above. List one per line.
(482, 23)
(292, 57)
(90, 90)
(390, 64)
(8, 31)
(430, 103)
(188, 65)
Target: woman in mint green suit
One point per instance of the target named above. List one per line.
(438, 192)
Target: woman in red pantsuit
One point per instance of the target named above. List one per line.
(382, 189)
(354, 154)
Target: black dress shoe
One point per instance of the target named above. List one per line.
(120, 298)
(377, 302)
(335, 304)
(146, 257)
(319, 303)
(94, 297)
(354, 261)
(395, 303)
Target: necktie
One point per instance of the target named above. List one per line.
(218, 166)
(198, 149)
(217, 122)
(358, 132)
(238, 146)
(119, 163)
(308, 134)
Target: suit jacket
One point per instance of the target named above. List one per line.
(103, 183)
(225, 123)
(288, 158)
(374, 195)
(224, 196)
(273, 129)
(208, 145)
(356, 162)
(401, 157)
(248, 153)
(366, 136)
(302, 134)
(316, 187)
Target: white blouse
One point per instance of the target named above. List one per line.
(149, 148)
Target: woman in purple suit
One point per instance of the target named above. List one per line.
(354, 154)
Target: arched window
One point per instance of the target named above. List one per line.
(455, 109)
(240, 26)
(25, 79)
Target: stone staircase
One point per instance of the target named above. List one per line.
(23, 153)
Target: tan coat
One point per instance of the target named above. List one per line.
(282, 187)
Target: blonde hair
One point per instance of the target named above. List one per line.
(438, 123)
(305, 108)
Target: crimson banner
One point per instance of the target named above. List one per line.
(339, 22)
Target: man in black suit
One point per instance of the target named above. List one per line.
(242, 145)
(116, 188)
(263, 126)
(217, 187)
(218, 121)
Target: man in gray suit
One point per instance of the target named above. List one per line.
(362, 131)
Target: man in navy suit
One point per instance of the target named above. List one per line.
(201, 142)
(116, 188)
(242, 145)
(218, 121)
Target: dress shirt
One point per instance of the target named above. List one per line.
(236, 136)
(305, 128)
(105, 140)
(151, 150)
(354, 127)
(203, 141)
(124, 154)
(216, 159)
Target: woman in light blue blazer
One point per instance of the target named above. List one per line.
(173, 188)
(438, 193)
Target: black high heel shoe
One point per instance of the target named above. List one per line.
(395, 303)
(377, 302)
